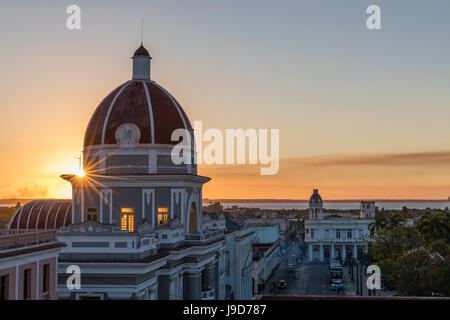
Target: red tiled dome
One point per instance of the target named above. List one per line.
(142, 102)
(42, 214)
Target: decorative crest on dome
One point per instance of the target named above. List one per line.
(128, 134)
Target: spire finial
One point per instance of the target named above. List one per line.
(142, 31)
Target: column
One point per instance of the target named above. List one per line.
(321, 253)
(209, 276)
(310, 252)
(153, 292)
(355, 251)
(332, 250)
(194, 285)
(344, 253)
(172, 287)
(180, 287)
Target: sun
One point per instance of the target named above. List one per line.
(80, 173)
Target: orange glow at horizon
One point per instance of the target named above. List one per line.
(408, 176)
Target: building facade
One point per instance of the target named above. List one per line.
(28, 264)
(335, 235)
(135, 226)
(266, 257)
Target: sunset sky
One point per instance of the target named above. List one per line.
(361, 114)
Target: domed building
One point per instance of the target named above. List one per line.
(134, 224)
(336, 234)
(130, 176)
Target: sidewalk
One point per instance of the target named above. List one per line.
(350, 288)
(349, 285)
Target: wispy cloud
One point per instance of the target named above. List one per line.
(437, 158)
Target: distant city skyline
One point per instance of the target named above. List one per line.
(362, 114)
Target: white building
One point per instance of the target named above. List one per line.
(135, 225)
(266, 257)
(333, 235)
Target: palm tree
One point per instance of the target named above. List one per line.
(435, 226)
(395, 220)
(379, 222)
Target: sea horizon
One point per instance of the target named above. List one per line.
(300, 204)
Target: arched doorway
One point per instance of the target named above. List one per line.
(327, 253)
(193, 219)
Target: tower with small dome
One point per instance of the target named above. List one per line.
(315, 206)
(339, 235)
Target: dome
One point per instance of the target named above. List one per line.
(315, 198)
(42, 214)
(141, 51)
(143, 105)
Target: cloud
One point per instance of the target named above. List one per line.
(34, 191)
(420, 159)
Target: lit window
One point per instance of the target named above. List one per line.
(163, 217)
(92, 214)
(127, 219)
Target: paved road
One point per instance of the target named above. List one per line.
(309, 278)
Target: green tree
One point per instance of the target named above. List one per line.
(435, 226)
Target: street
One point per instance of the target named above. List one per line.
(311, 279)
(308, 278)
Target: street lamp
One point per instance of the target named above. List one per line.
(360, 279)
(352, 268)
(357, 279)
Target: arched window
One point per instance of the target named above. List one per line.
(193, 219)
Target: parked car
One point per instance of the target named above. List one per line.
(336, 273)
(337, 284)
(282, 284)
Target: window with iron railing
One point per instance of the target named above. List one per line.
(162, 217)
(127, 219)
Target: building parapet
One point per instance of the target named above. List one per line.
(11, 238)
(205, 236)
(208, 295)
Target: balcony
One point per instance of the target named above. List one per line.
(337, 241)
(23, 237)
(208, 294)
(205, 236)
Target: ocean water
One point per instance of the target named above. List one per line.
(344, 205)
(332, 205)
